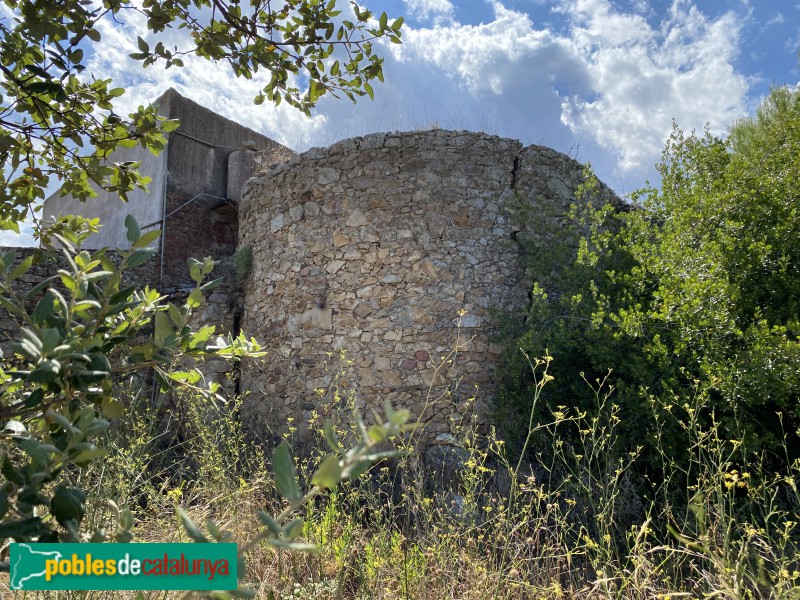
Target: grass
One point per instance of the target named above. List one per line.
(567, 520)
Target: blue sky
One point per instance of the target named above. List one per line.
(601, 80)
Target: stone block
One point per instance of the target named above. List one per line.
(277, 223)
(340, 239)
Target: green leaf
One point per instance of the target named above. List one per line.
(21, 530)
(285, 474)
(35, 290)
(396, 417)
(122, 295)
(126, 520)
(329, 473)
(377, 433)
(10, 472)
(21, 268)
(270, 523)
(191, 377)
(195, 298)
(46, 372)
(112, 408)
(68, 504)
(196, 270)
(213, 529)
(172, 124)
(139, 256)
(33, 449)
(132, 226)
(92, 453)
(44, 309)
(147, 239)
(294, 529)
(329, 433)
(3, 502)
(163, 329)
(123, 537)
(86, 305)
(35, 398)
(192, 530)
(210, 285)
(51, 337)
(10, 307)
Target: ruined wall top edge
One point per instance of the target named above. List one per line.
(436, 137)
(542, 170)
(390, 249)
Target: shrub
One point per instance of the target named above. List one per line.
(695, 291)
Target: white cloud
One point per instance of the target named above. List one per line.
(778, 19)
(23, 238)
(611, 80)
(644, 78)
(425, 9)
(212, 85)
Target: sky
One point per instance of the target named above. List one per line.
(601, 80)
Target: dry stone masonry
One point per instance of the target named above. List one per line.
(378, 265)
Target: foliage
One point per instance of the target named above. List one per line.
(80, 330)
(243, 262)
(696, 290)
(573, 527)
(58, 123)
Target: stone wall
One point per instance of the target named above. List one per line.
(377, 257)
(378, 267)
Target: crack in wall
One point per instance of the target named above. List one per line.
(514, 172)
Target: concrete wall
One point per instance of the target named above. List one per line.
(377, 257)
(189, 186)
(144, 205)
(200, 223)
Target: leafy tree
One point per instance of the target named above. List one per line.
(57, 122)
(81, 329)
(695, 293)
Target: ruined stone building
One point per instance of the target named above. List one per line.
(376, 266)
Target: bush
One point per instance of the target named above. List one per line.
(694, 292)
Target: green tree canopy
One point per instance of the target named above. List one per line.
(57, 121)
(692, 299)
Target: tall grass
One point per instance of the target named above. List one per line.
(566, 519)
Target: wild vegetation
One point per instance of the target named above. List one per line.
(650, 445)
(613, 486)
